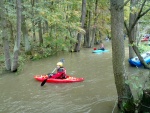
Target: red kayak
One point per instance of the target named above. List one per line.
(69, 79)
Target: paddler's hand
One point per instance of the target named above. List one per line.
(50, 75)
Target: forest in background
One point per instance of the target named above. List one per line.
(51, 26)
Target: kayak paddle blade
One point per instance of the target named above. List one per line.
(42, 84)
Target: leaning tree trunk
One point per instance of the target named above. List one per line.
(17, 43)
(118, 56)
(78, 44)
(131, 31)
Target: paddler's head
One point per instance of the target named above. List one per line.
(59, 64)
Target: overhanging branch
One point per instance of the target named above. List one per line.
(144, 12)
(124, 4)
(139, 14)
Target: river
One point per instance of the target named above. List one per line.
(96, 94)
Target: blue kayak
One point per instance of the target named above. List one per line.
(100, 51)
(136, 62)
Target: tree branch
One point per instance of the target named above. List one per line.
(141, 7)
(144, 12)
(139, 14)
(125, 24)
(124, 4)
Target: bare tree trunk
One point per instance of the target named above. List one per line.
(133, 31)
(40, 33)
(6, 50)
(87, 35)
(78, 44)
(45, 27)
(25, 35)
(5, 37)
(33, 26)
(17, 43)
(18, 3)
(95, 26)
(118, 55)
(11, 31)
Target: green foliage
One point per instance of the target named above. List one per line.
(22, 59)
(143, 48)
(2, 63)
(104, 19)
(36, 56)
(1, 58)
(126, 12)
(60, 42)
(138, 83)
(128, 106)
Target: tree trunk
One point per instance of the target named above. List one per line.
(40, 33)
(6, 50)
(17, 43)
(11, 31)
(25, 35)
(95, 26)
(45, 27)
(87, 35)
(5, 37)
(118, 56)
(133, 31)
(78, 44)
(33, 26)
(18, 3)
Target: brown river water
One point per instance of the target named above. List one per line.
(96, 94)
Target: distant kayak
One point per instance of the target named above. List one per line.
(136, 62)
(100, 51)
(144, 39)
(69, 79)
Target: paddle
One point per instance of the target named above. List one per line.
(62, 60)
(44, 81)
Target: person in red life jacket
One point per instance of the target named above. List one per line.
(61, 72)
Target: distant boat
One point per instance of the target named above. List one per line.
(136, 62)
(145, 38)
(100, 51)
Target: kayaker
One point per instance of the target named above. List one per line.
(61, 72)
(101, 46)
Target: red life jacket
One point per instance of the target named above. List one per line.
(61, 73)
